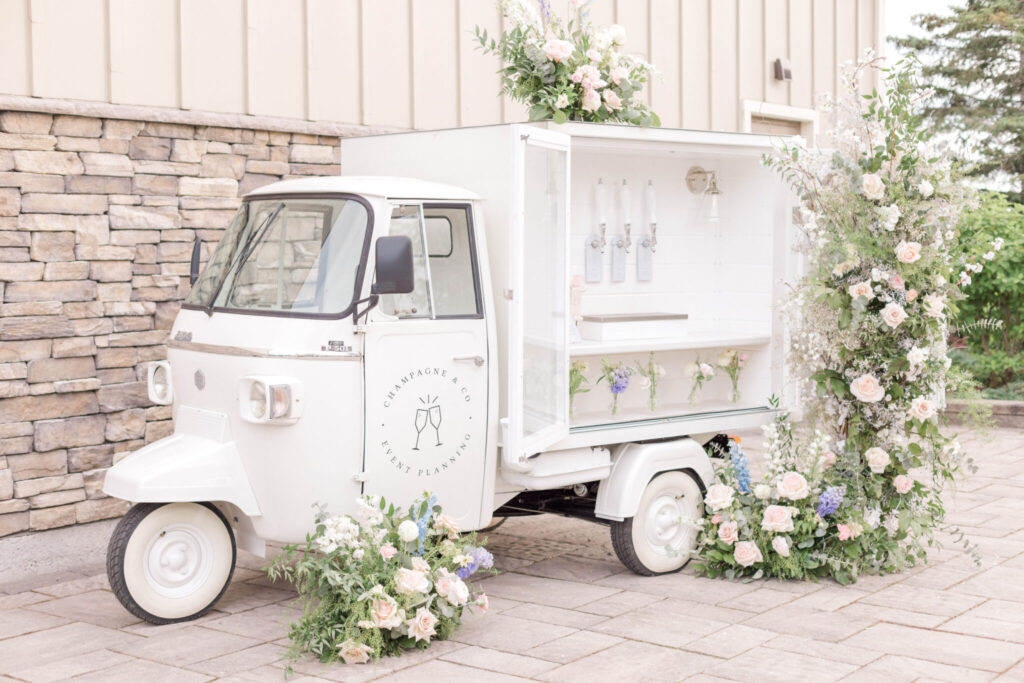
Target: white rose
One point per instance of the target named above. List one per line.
(353, 652)
(459, 593)
(781, 546)
(408, 531)
(409, 581)
(718, 497)
(917, 356)
(934, 305)
(877, 459)
(562, 102)
(893, 314)
(861, 289)
(793, 485)
(707, 370)
(591, 100)
(558, 50)
(617, 33)
(747, 553)
(872, 185)
(866, 388)
(777, 518)
(926, 189)
(447, 524)
(908, 252)
(762, 492)
(921, 408)
(890, 216)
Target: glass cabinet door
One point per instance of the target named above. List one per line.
(539, 307)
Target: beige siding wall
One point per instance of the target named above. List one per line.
(408, 63)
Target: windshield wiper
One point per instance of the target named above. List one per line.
(245, 252)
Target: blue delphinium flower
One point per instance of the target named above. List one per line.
(620, 379)
(423, 521)
(830, 500)
(741, 466)
(479, 558)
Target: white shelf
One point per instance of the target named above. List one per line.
(694, 340)
(604, 418)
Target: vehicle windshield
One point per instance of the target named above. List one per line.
(292, 255)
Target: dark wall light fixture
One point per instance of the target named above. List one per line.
(783, 72)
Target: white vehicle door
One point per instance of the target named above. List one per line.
(538, 296)
(426, 368)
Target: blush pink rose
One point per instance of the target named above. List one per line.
(903, 484)
(611, 100)
(908, 252)
(777, 518)
(893, 314)
(921, 408)
(716, 519)
(793, 486)
(896, 282)
(747, 553)
(781, 546)
(911, 294)
(558, 50)
(728, 533)
(868, 389)
(844, 531)
(591, 100)
(388, 551)
(384, 612)
(861, 289)
(828, 459)
(421, 627)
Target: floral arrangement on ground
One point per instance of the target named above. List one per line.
(855, 487)
(570, 72)
(387, 581)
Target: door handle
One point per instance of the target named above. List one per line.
(475, 360)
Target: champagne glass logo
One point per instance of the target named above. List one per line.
(429, 412)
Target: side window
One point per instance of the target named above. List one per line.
(405, 220)
(452, 261)
(447, 284)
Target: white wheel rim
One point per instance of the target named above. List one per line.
(178, 560)
(664, 525)
(663, 530)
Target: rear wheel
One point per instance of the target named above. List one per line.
(170, 562)
(660, 537)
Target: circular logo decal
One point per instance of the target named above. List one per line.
(425, 424)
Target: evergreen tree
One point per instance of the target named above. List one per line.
(974, 58)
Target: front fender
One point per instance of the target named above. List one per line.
(197, 463)
(635, 464)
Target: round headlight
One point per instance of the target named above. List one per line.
(258, 400)
(161, 386)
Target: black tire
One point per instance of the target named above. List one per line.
(116, 563)
(624, 537)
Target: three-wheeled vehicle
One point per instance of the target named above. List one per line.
(375, 334)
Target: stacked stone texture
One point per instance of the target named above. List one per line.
(97, 223)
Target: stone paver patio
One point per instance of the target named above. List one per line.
(564, 609)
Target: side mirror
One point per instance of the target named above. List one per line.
(394, 266)
(193, 271)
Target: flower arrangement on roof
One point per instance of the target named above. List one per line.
(570, 71)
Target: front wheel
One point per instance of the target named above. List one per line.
(170, 562)
(661, 536)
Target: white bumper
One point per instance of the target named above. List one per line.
(197, 463)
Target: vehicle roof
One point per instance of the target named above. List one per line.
(392, 187)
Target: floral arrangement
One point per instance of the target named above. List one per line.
(576, 381)
(571, 72)
(698, 372)
(386, 581)
(651, 372)
(732, 361)
(857, 489)
(617, 376)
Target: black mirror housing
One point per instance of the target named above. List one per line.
(394, 266)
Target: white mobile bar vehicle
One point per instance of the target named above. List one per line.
(373, 334)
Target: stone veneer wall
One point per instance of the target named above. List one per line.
(97, 222)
